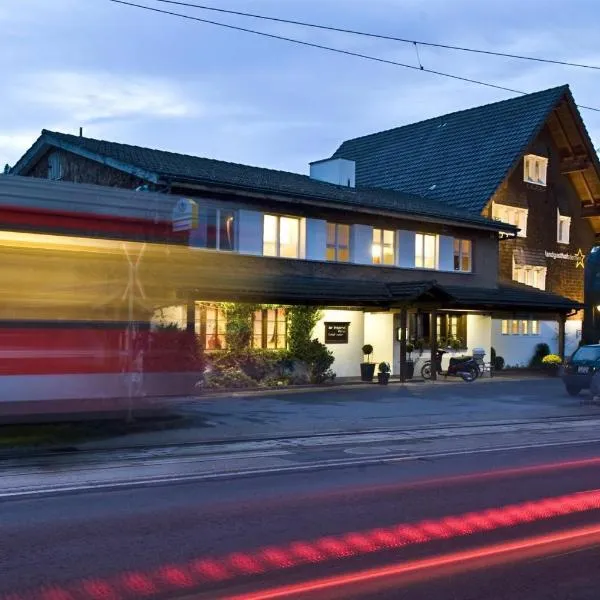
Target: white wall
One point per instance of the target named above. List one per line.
(517, 350)
(479, 334)
(339, 171)
(379, 332)
(572, 336)
(347, 356)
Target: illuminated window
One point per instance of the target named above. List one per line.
(215, 231)
(505, 329)
(563, 228)
(281, 236)
(535, 169)
(524, 327)
(212, 323)
(520, 327)
(462, 255)
(512, 215)
(514, 327)
(533, 276)
(383, 247)
(338, 242)
(425, 251)
(534, 327)
(270, 328)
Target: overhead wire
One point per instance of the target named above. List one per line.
(378, 35)
(330, 49)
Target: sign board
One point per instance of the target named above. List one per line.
(336, 333)
(185, 215)
(578, 258)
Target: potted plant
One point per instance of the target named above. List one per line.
(551, 364)
(409, 365)
(455, 344)
(367, 368)
(383, 376)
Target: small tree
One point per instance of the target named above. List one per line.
(238, 329)
(367, 350)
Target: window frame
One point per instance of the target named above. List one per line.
(436, 252)
(261, 317)
(336, 247)
(520, 327)
(218, 210)
(531, 162)
(513, 215)
(382, 245)
(461, 254)
(277, 241)
(560, 219)
(522, 274)
(202, 329)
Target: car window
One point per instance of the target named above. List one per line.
(587, 353)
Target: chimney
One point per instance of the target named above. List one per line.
(81, 132)
(339, 171)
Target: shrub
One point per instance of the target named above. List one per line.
(367, 350)
(493, 355)
(541, 350)
(384, 367)
(551, 359)
(228, 378)
(238, 328)
(256, 363)
(319, 359)
(301, 322)
(498, 363)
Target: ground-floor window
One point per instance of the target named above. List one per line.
(211, 327)
(270, 328)
(520, 327)
(451, 329)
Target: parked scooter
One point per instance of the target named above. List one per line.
(465, 367)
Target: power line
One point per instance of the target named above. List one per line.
(380, 36)
(330, 49)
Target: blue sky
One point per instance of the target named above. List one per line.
(128, 75)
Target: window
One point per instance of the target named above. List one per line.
(450, 328)
(212, 322)
(383, 247)
(520, 327)
(535, 169)
(513, 215)
(216, 229)
(529, 275)
(281, 236)
(563, 228)
(338, 242)
(54, 166)
(270, 328)
(425, 251)
(462, 255)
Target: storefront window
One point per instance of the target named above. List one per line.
(462, 255)
(425, 251)
(383, 247)
(451, 328)
(270, 328)
(215, 231)
(212, 323)
(338, 242)
(281, 236)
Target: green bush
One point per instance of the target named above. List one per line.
(256, 363)
(228, 378)
(541, 350)
(319, 359)
(239, 325)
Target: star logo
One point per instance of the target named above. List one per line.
(580, 259)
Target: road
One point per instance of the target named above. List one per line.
(229, 538)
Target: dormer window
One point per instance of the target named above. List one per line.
(535, 169)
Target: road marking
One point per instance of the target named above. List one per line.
(383, 459)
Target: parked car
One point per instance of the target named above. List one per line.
(580, 368)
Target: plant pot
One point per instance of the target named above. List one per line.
(552, 370)
(409, 369)
(367, 371)
(383, 378)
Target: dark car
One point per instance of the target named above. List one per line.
(580, 369)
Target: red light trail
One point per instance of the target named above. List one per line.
(206, 571)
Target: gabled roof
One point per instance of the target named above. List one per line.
(161, 166)
(460, 158)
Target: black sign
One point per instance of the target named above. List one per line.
(336, 333)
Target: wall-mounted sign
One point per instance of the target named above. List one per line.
(578, 257)
(185, 215)
(336, 333)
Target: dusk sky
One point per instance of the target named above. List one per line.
(132, 76)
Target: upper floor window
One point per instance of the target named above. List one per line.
(563, 228)
(462, 255)
(270, 328)
(216, 229)
(512, 215)
(55, 166)
(520, 327)
(533, 276)
(212, 325)
(281, 236)
(535, 169)
(338, 242)
(383, 248)
(426, 251)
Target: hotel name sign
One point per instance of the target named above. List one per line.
(578, 257)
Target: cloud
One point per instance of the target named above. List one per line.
(97, 96)
(15, 144)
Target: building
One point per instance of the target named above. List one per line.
(528, 161)
(374, 258)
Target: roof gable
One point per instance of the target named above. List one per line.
(459, 158)
(159, 165)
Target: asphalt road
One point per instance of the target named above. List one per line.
(156, 541)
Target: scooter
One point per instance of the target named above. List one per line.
(465, 367)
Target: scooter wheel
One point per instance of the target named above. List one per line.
(426, 371)
(469, 376)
